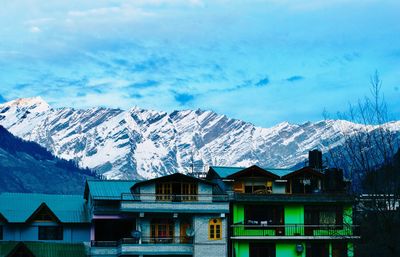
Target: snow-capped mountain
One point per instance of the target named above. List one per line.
(145, 143)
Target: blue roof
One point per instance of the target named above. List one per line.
(18, 207)
(108, 189)
(224, 172)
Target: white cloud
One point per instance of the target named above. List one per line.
(35, 29)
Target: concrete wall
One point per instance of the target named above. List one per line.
(30, 232)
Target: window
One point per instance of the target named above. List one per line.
(323, 215)
(164, 191)
(1, 232)
(162, 231)
(215, 229)
(189, 191)
(263, 215)
(50, 233)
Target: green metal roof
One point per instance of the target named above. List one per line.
(45, 249)
(224, 172)
(18, 207)
(108, 189)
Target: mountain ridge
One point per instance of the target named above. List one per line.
(140, 143)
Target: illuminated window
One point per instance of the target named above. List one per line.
(215, 229)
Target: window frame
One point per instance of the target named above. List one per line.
(43, 233)
(215, 229)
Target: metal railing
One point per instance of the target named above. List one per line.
(144, 240)
(143, 197)
(295, 230)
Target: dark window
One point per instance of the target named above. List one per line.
(317, 250)
(262, 250)
(50, 233)
(1, 232)
(339, 250)
(264, 215)
(323, 215)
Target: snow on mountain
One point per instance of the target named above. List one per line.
(145, 143)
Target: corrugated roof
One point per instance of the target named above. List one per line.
(224, 172)
(45, 249)
(18, 207)
(108, 189)
(279, 172)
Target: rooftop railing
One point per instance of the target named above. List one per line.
(295, 230)
(143, 197)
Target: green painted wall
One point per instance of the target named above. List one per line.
(288, 250)
(238, 213)
(294, 214)
(241, 249)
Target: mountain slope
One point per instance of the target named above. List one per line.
(28, 167)
(144, 143)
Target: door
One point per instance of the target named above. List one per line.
(184, 238)
(262, 250)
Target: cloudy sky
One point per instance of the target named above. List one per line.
(261, 61)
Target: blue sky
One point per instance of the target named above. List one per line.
(261, 61)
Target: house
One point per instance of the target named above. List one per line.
(43, 225)
(174, 215)
(284, 213)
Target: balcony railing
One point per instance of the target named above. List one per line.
(144, 240)
(295, 230)
(174, 197)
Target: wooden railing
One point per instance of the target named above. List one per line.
(174, 197)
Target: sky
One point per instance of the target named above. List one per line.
(260, 61)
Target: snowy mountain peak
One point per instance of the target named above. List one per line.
(140, 143)
(36, 104)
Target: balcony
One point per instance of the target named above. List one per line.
(200, 203)
(294, 198)
(295, 231)
(146, 246)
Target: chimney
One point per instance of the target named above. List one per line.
(315, 159)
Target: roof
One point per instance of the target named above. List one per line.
(172, 177)
(224, 172)
(308, 170)
(19, 207)
(254, 171)
(107, 189)
(44, 249)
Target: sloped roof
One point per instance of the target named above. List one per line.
(44, 249)
(224, 172)
(107, 189)
(19, 207)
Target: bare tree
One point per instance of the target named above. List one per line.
(368, 153)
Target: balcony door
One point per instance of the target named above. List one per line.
(162, 231)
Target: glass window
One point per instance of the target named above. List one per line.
(162, 231)
(50, 233)
(215, 229)
(164, 192)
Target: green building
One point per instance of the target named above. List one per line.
(287, 213)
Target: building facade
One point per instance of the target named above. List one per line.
(238, 212)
